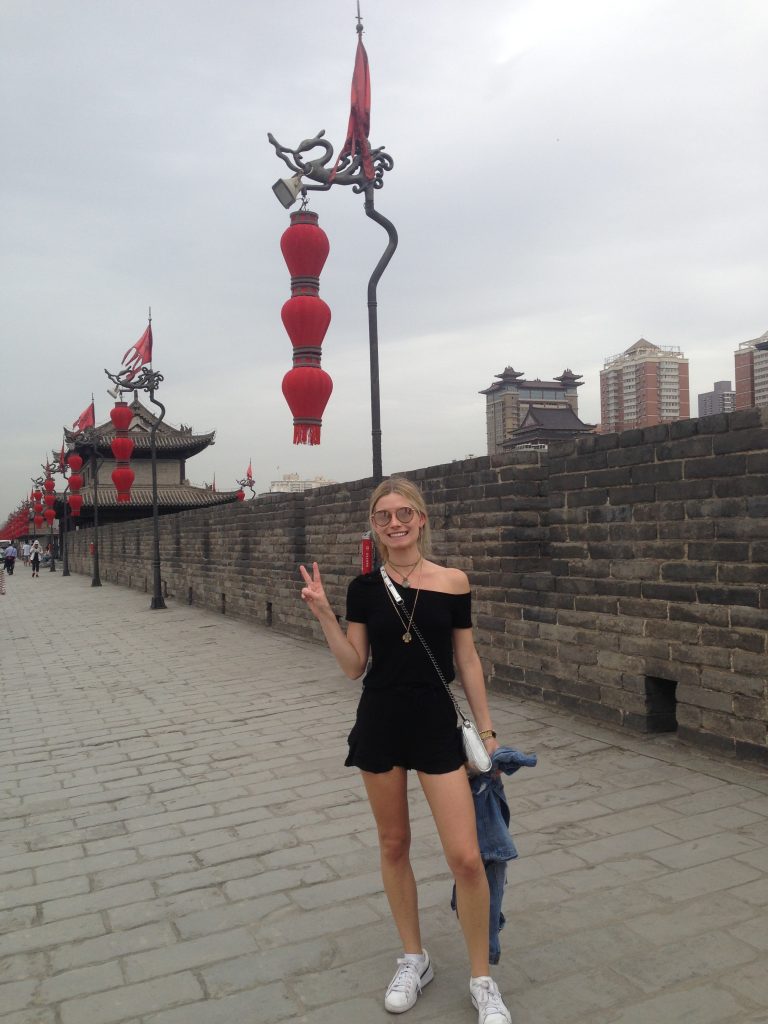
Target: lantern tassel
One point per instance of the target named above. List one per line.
(306, 433)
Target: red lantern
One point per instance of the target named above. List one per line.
(122, 478)
(75, 463)
(75, 503)
(50, 500)
(121, 416)
(122, 448)
(75, 482)
(38, 506)
(50, 515)
(37, 495)
(38, 520)
(49, 485)
(240, 495)
(306, 317)
(304, 245)
(307, 390)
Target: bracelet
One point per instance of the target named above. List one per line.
(487, 734)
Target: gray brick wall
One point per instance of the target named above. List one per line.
(622, 576)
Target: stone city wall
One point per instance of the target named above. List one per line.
(621, 576)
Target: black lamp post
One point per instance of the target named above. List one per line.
(147, 380)
(248, 482)
(88, 439)
(49, 487)
(60, 466)
(363, 168)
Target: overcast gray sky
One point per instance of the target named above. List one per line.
(568, 177)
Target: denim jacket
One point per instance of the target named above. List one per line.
(496, 844)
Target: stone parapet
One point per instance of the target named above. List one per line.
(622, 576)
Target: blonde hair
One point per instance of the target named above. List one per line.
(408, 490)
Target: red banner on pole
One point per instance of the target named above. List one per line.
(87, 418)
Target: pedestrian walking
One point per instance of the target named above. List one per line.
(2, 579)
(10, 558)
(34, 557)
(25, 552)
(406, 721)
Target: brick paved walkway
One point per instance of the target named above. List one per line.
(181, 843)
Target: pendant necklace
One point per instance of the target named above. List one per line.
(406, 582)
(407, 636)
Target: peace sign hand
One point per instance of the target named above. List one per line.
(312, 593)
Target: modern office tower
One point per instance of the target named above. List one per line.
(751, 359)
(721, 399)
(510, 397)
(647, 384)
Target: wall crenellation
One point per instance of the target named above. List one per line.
(621, 576)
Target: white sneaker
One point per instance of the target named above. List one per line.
(412, 974)
(487, 1000)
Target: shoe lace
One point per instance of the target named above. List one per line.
(489, 998)
(406, 975)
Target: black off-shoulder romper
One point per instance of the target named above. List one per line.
(405, 717)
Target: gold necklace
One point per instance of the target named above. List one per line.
(406, 582)
(406, 637)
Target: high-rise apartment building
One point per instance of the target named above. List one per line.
(751, 359)
(721, 399)
(510, 397)
(647, 384)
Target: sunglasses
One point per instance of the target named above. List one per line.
(403, 515)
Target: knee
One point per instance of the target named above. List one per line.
(394, 846)
(466, 865)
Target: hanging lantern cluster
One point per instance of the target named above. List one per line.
(37, 497)
(306, 317)
(75, 463)
(16, 525)
(49, 485)
(122, 449)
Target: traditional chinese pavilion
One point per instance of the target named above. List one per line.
(175, 445)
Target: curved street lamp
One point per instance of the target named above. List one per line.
(60, 466)
(88, 438)
(147, 380)
(363, 168)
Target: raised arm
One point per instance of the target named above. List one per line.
(350, 649)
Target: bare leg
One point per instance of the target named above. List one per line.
(387, 794)
(450, 800)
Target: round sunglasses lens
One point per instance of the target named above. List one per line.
(403, 515)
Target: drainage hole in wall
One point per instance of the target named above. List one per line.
(661, 704)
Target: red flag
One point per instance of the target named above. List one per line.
(359, 125)
(249, 471)
(213, 485)
(142, 353)
(87, 418)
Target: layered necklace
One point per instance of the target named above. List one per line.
(406, 582)
(407, 636)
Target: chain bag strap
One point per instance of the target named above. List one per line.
(478, 758)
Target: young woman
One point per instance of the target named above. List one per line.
(34, 554)
(405, 720)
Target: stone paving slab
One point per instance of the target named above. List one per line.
(181, 844)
